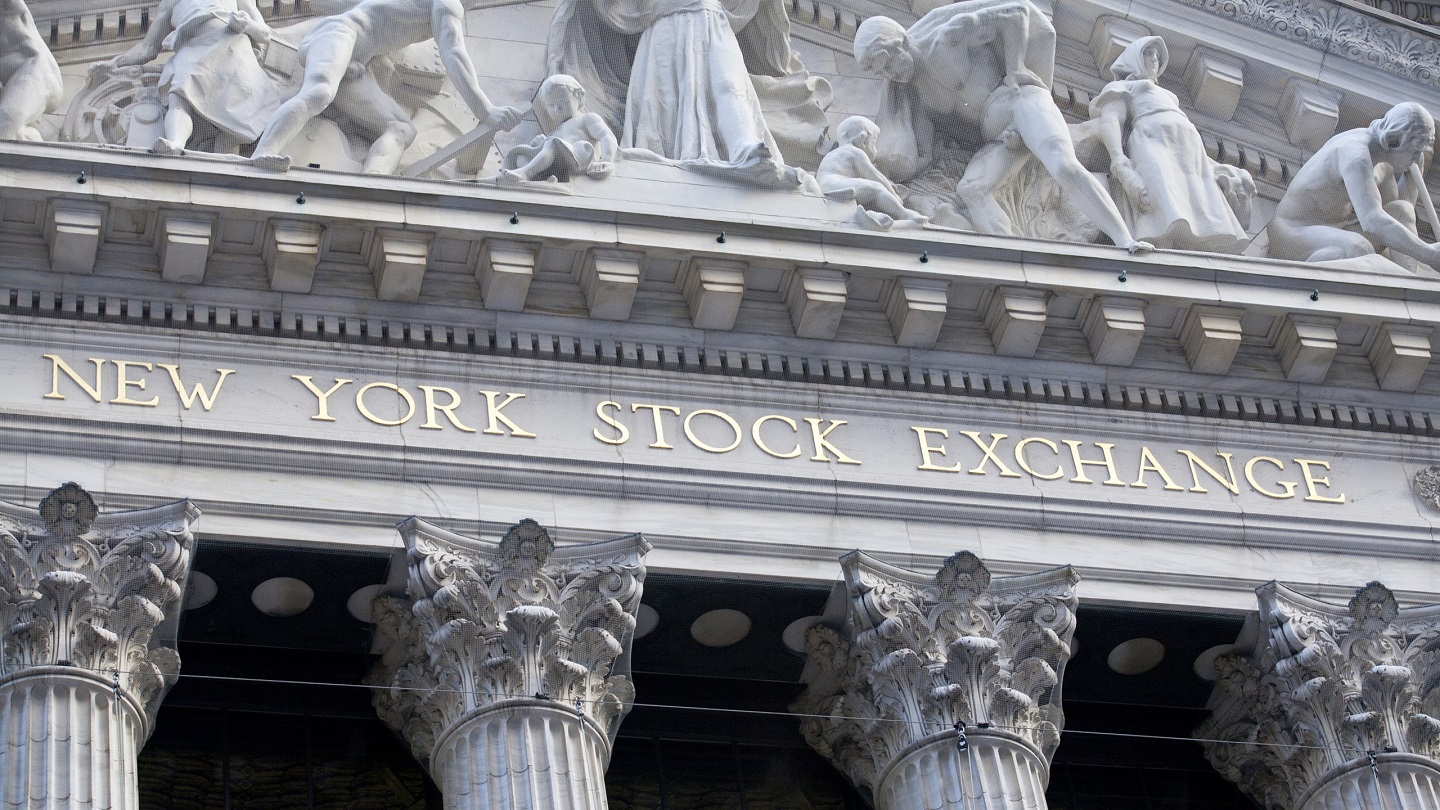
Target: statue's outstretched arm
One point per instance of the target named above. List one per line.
(1357, 169)
(150, 46)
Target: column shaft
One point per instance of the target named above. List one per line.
(85, 645)
(526, 754)
(1404, 782)
(66, 743)
(996, 772)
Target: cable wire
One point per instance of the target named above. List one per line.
(749, 712)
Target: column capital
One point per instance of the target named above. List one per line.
(1324, 688)
(82, 590)
(494, 627)
(918, 654)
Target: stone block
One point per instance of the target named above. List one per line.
(816, 298)
(609, 279)
(73, 230)
(1399, 354)
(184, 243)
(1307, 345)
(713, 288)
(1109, 37)
(504, 273)
(291, 250)
(1309, 112)
(1215, 81)
(1211, 336)
(1015, 318)
(397, 260)
(1113, 328)
(916, 308)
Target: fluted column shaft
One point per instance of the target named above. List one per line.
(1333, 707)
(66, 741)
(522, 754)
(998, 771)
(916, 655)
(505, 665)
(1396, 782)
(84, 655)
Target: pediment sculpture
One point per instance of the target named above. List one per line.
(30, 80)
(966, 135)
(1163, 182)
(1357, 195)
(712, 86)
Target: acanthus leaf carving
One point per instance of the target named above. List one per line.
(88, 590)
(1323, 687)
(914, 658)
(482, 624)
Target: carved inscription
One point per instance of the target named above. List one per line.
(715, 429)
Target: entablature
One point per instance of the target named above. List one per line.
(459, 266)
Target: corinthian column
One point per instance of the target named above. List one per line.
(507, 667)
(1334, 708)
(918, 660)
(87, 610)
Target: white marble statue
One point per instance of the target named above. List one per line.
(336, 54)
(213, 71)
(577, 142)
(688, 94)
(30, 80)
(848, 172)
(1169, 194)
(1346, 201)
(979, 71)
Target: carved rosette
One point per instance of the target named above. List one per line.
(1426, 486)
(87, 609)
(497, 651)
(1333, 704)
(917, 656)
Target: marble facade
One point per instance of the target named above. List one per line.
(600, 308)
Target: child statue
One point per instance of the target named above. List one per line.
(848, 172)
(578, 141)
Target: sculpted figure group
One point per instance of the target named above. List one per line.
(713, 86)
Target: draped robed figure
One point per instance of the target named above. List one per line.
(708, 84)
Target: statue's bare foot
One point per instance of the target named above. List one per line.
(510, 177)
(165, 146)
(1136, 246)
(274, 163)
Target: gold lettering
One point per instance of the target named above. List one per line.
(1311, 481)
(926, 449)
(1279, 466)
(1024, 461)
(57, 365)
(995, 439)
(821, 443)
(760, 443)
(1148, 463)
(188, 396)
(122, 382)
(1108, 463)
(496, 416)
(1232, 484)
(695, 440)
(448, 409)
(659, 443)
(365, 412)
(322, 413)
(623, 433)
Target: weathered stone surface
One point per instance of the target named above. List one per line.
(919, 658)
